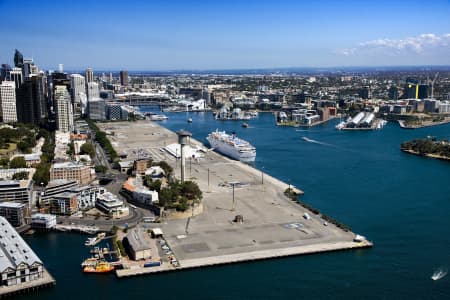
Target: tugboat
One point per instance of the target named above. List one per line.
(99, 267)
(245, 125)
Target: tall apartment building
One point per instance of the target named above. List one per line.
(64, 113)
(89, 75)
(8, 109)
(78, 89)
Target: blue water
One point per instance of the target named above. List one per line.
(399, 201)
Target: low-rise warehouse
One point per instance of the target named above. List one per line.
(137, 244)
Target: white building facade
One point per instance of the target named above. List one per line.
(64, 112)
(8, 101)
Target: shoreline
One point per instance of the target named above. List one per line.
(404, 126)
(426, 155)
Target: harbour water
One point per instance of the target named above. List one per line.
(401, 202)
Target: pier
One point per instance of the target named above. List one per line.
(272, 224)
(28, 287)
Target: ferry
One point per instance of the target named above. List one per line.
(232, 146)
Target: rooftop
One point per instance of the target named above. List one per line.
(12, 205)
(137, 240)
(13, 249)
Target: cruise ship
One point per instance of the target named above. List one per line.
(231, 146)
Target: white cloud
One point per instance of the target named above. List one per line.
(421, 44)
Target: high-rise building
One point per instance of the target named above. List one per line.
(422, 91)
(393, 93)
(124, 78)
(8, 101)
(93, 92)
(28, 65)
(97, 109)
(64, 113)
(18, 59)
(411, 91)
(4, 72)
(16, 75)
(89, 75)
(78, 90)
(31, 103)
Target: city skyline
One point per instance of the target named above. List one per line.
(232, 35)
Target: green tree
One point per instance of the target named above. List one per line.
(88, 148)
(42, 174)
(17, 162)
(191, 191)
(20, 176)
(100, 169)
(24, 147)
(4, 162)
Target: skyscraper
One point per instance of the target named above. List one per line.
(4, 73)
(78, 90)
(8, 101)
(89, 75)
(31, 102)
(18, 59)
(124, 78)
(64, 113)
(16, 75)
(28, 67)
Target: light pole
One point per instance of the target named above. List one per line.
(209, 190)
(233, 205)
(262, 175)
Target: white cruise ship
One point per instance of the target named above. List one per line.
(231, 146)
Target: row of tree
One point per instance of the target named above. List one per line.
(102, 139)
(42, 174)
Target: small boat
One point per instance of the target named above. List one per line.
(91, 261)
(245, 125)
(100, 267)
(90, 241)
(158, 117)
(439, 274)
(189, 120)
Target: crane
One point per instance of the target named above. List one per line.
(432, 84)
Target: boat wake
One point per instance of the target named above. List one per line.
(314, 141)
(439, 273)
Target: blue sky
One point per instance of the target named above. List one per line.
(168, 35)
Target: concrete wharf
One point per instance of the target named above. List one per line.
(274, 226)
